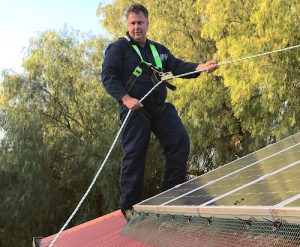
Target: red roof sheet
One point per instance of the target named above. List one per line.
(103, 231)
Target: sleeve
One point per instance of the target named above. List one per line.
(111, 71)
(177, 66)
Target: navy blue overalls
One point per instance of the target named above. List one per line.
(156, 116)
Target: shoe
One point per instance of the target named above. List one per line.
(128, 213)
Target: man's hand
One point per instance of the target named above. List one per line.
(131, 103)
(208, 67)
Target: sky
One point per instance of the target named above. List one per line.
(22, 20)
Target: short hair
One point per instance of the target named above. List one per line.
(136, 8)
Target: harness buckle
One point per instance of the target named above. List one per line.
(148, 67)
(138, 71)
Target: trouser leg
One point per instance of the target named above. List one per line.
(135, 140)
(173, 137)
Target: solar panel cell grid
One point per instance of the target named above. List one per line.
(238, 173)
(271, 191)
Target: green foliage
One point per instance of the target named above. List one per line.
(59, 124)
(259, 88)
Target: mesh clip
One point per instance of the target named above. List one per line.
(276, 224)
(172, 217)
(209, 219)
(248, 222)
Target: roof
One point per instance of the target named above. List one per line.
(102, 231)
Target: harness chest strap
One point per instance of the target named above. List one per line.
(148, 67)
(155, 54)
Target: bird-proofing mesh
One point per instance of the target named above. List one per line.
(251, 201)
(222, 230)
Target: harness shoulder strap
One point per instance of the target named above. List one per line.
(137, 50)
(156, 56)
(154, 52)
(145, 65)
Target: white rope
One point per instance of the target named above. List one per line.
(101, 167)
(241, 59)
(126, 119)
(93, 182)
(260, 55)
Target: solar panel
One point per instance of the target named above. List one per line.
(266, 177)
(252, 201)
(271, 191)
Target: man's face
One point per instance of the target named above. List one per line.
(137, 25)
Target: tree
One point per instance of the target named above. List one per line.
(58, 127)
(264, 92)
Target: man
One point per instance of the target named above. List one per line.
(127, 75)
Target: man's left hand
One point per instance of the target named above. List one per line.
(208, 67)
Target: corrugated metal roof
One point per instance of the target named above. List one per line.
(103, 231)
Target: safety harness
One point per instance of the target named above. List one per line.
(155, 72)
